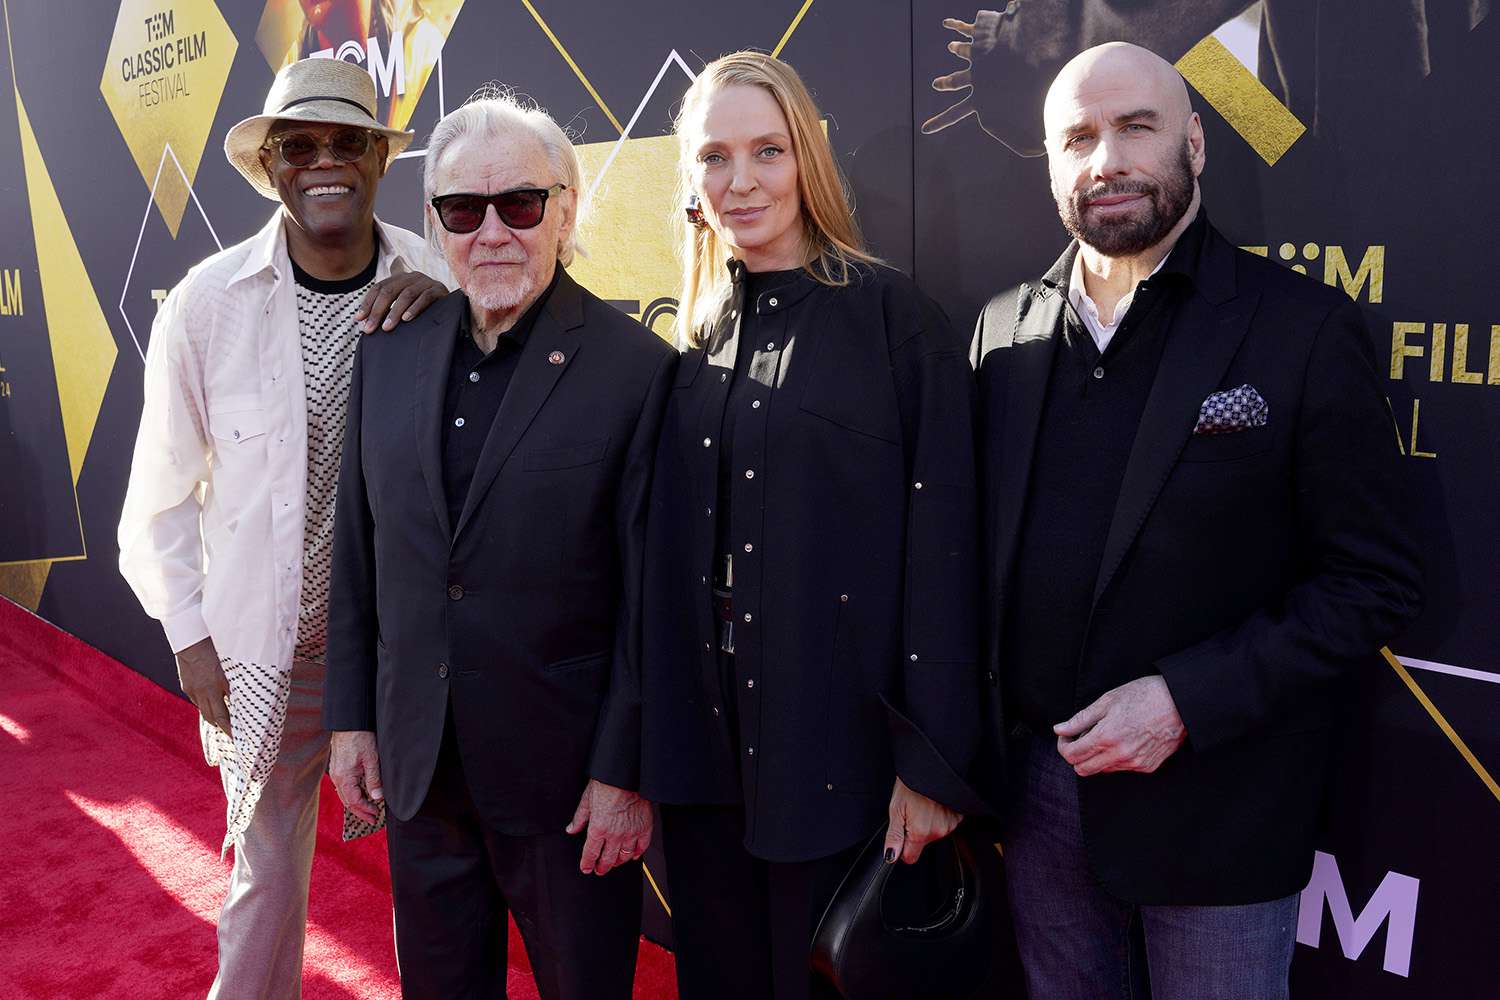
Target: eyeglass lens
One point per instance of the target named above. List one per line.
(300, 149)
(517, 209)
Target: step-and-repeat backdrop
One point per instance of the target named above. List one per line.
(1355, 141)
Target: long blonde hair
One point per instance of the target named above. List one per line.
(830, 236)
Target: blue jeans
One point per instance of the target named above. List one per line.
(1078, 942)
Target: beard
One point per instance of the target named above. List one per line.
(1128, 236)
(492, 294)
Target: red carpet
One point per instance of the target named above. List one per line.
(110, 879)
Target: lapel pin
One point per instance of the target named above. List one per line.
(557, 357)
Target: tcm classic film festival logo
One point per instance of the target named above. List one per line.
(163, 78)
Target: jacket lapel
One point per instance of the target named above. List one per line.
(1204, 337)
(434, 357)
(1038, 324)
(557, 333)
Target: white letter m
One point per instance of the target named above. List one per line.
(1394, 901)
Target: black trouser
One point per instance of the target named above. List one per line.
(454, 881)
(742, 927)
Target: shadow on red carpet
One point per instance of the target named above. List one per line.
(111, 879)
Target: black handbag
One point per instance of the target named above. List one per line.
(906, 932)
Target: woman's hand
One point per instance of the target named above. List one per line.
(916, 821)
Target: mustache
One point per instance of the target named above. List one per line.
(1113, 189)
(507, 259)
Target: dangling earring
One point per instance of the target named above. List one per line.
(695, 212)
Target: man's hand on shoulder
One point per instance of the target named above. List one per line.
(619, 826)
(202, 680)
(354, 766)
(398, 299)
(1134, 727)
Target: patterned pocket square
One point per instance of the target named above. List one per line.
(1232, 410)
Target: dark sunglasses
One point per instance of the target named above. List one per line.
(519, 209)
(300, 149)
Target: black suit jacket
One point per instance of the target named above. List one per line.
(524, 616)
(1257, 571)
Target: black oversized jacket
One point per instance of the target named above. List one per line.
(856, 606)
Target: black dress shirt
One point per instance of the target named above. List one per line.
(757, 372)
(476, 387)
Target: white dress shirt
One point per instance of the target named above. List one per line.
(1102, 332)
(211, 534)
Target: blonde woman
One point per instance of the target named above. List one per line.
(809, 670)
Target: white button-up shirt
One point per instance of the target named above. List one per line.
(211, 532)
(1101, 330)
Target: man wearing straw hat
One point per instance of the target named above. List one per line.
(227, 529)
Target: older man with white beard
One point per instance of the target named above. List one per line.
(483, 679)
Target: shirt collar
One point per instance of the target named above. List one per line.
(1183, 259)
(268, 252)
(518, 333)
(777, 291)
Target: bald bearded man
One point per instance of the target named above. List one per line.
(1194, 531)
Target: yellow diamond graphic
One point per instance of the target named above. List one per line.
(83, 349)
(163, 78)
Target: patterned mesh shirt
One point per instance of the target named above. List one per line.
(325, 320)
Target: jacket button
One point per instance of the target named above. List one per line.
(751, 751)
(829, 787)
(747, 618)
(749, 547)
(716, 711)
(914, 657)
(750, 683)
(707, 647)
(455, 593)
(749, 473)
(771, 301)
(442, 670)
(707, 442)
(843, 598)
(916, 486)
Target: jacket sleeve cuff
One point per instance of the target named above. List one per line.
(925, 770)
(1197, 690)
(616, 759)
(346, 715)
(185, 627)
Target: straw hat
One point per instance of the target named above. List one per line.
(325, 91)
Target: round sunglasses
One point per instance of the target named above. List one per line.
(522, 208)
(300, 149)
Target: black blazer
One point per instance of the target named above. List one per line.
(863, 582)
(523, 616)
(1258, 571)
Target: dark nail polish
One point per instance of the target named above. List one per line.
(890, 855)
